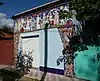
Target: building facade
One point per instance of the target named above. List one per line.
(46, 32)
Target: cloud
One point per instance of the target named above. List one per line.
(5, 22)
(2, 15)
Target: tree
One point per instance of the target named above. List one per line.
(88, 10)
(85, 9)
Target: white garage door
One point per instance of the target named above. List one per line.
(32, 43)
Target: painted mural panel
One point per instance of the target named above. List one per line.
(68, 63)
(66, 34)
(55, 17)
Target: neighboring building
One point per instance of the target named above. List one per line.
(6, 48)
(30, 36)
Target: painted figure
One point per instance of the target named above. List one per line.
(16, 26)
(19, 24)
(27, 24)
(56, 17)
(32, 23)
(23, 24)
(62, 22)
(38, 22)
(69, 26)
(43, 20)
(51, 20)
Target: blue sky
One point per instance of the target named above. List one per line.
(12, 7)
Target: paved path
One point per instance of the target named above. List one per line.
(36, 74)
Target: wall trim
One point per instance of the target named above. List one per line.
(52, 70)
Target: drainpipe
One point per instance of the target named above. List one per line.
(46, 48)
(46, 53)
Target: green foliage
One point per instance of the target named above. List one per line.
(63, 14)
(88, 10)
(14, 73)
(85, 9)
(87, 41)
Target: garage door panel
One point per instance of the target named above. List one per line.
(30, 44)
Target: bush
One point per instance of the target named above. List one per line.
(10, 74)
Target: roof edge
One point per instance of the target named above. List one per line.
(43, 5)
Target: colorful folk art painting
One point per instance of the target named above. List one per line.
(68, 63)
(59, 17)
(16, 41)
(66, 33)
(55, 17)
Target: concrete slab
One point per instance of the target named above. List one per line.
(36, 74)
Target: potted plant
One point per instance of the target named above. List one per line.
(10, 74)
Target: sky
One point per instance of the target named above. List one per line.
(12, 7)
